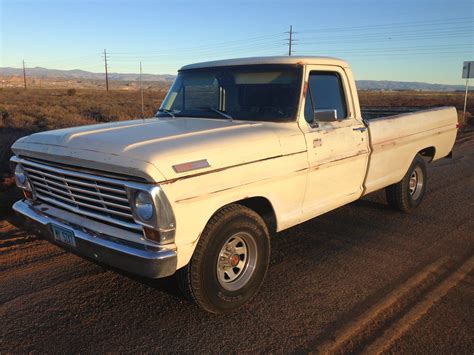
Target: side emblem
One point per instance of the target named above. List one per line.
(192, 165)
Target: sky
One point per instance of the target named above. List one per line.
(400, 40)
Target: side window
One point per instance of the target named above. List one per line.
(325, 92)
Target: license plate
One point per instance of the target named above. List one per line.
(63, 235)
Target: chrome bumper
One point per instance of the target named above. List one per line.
(136, 258)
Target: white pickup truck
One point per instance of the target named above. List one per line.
(239, 149)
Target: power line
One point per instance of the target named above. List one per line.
(200, 50)
(391, 35)
(204, 53)
(233, 43)
(391, 39)
(395, 24)
(403, 34)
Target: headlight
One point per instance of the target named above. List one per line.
(20, 177)
(152, 210)
(144, 206)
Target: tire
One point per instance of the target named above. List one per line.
(407, 194)
(221, 279)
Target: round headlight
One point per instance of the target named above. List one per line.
(144, 205)
(20, 176)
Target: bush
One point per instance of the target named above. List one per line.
(41, 122)
(5, 116)
(71, 92)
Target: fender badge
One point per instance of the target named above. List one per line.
(192, 165)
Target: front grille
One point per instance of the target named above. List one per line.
(89, 195)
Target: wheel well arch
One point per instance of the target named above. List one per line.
(428, 153)
(262, 206)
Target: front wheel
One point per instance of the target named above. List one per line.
(407, 194)
(230, 260)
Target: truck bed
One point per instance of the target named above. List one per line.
(395, 140)
(372, 112)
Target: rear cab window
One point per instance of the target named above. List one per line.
(325, 92)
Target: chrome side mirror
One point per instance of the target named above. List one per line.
(323, 116)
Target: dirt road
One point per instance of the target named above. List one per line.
(362, 277)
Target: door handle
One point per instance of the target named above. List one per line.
(360, 129)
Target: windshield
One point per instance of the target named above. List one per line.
(251, 93)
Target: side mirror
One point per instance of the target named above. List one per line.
(325, 115)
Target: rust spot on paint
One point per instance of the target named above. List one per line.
(305, 88)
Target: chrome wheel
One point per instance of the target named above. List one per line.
(236, 261)
(415, 184)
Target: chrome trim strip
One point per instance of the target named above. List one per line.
(72, 173)
(92, 207)
(72, 181)
(83, 191)
(50, 188)
(91, 214)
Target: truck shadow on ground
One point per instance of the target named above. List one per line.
(371, 204)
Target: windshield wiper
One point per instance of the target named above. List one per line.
(223, 114)
(169, 112)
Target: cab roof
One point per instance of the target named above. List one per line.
(269, 60)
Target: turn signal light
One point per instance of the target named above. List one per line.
(152, 234)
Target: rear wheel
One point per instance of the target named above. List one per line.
(230, 260)
(407, 194)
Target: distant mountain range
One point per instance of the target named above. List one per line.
(45, 73)
(405, 85)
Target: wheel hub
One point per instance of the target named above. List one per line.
(413, 180)
(415, 184)
(236, 261)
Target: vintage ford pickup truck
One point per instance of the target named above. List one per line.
(239, 149)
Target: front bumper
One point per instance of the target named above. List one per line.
(136, 258)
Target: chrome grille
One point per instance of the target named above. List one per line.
(93, 196)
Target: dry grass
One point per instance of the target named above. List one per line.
(23, 112)
(415, 98)
(44, 109)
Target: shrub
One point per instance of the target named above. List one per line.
(5, 116)
(71, 92)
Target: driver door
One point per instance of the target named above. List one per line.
(337, 151)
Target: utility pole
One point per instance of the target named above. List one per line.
(290, 40)
(106, 72)
(141, 91)
(467, 73)
(24, 74)
(465, 102)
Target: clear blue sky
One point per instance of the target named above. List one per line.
(405, 40)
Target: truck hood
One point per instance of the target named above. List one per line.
(152, 148)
